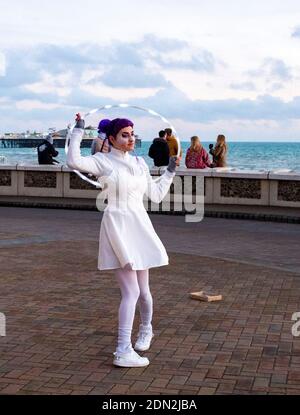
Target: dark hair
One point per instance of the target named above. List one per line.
(102, 126)
(162, 133)
(116, 125)
(112, 128)
(168, 131)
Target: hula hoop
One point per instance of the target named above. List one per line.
(107, 107)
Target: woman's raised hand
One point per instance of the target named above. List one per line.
(101, 144)
(79, 121)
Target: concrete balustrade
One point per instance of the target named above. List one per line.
(217, 186)
(75, 187)
(8, 180)
(39, 181)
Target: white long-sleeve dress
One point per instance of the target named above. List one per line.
(127, 237)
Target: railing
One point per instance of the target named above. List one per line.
(215, 186)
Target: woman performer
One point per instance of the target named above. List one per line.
(128, 242)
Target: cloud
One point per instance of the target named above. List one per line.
(275, 87)
(245, 86)
(122, 53)
(169, 101)
(159, 44)
(82, 99)
(174, 104)
(130, 76)
(21, 93)
(133, 65)
(273, 68)
(278, 68)
(2, 64)
(202, 61)
(27, 66)
(296, 32)
(19, 70)
(21, 120)
(137, 64)
(56, 59)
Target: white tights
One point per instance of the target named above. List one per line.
(134, 286)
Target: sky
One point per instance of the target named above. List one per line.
(210, 67)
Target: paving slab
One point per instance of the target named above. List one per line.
(61, 312)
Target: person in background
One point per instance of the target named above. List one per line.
(196, 156)
(100, 143)
(219, 152)
(159, 150)
(46, 151)
(173, 145)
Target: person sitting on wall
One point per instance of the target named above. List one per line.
(196, 156)
(219, 152)
(100, 144)
(173, 145)
(159, 150)
(46, 151)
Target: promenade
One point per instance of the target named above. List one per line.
(61, 312)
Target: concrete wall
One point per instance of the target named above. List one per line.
(216, 186)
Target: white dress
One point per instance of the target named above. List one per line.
(127, 236)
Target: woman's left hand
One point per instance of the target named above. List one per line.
(172, 164)
(79, 121)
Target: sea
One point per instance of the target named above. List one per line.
(258, 156)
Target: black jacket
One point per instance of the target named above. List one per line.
(159, 152)
(46, 152)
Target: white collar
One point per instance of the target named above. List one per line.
(119, 153)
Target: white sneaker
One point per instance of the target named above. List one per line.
(144, 339)
(130, 359)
